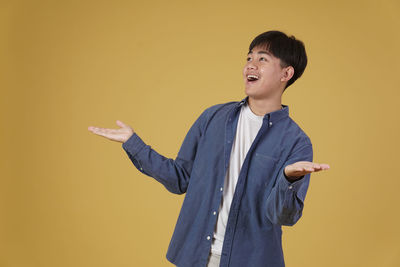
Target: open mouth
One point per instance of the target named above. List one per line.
(251, 78)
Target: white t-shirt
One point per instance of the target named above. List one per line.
(248, 126)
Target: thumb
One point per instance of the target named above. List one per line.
(121, 124)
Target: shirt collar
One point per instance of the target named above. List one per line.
(272, 116)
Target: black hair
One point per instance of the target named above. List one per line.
(289, 50)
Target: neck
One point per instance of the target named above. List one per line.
(261, 107)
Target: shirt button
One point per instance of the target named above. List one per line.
(141, 168)
(290, 186)
(221, 189)
(270, 123)
(214, 213)
(208, 237)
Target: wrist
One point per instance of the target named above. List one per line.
(127, 138)
(291, 178)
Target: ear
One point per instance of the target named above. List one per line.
(287, 73)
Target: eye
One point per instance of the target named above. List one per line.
(263, 58)
(248, 59)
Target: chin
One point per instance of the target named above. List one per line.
(251, 92)
(256, 95)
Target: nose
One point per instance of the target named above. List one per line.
(251, 65)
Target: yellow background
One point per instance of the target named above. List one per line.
(71, 198)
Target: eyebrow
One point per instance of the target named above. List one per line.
(261, 52)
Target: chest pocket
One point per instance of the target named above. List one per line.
(262, 169)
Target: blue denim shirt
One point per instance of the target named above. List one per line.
(263, 201)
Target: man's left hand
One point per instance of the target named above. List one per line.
(298, 169)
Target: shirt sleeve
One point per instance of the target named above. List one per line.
(174, 174)
(286, 200)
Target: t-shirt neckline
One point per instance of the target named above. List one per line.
(249, 113)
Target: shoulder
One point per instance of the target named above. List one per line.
(215, 111)
(219, 108)
(297, 134)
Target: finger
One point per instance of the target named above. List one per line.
(319, 168)
(303, 170)
(325, 166)
(322, 165)
(109, 134)
(305, 164)
(101, 131)
(97, 130)
(92, 129)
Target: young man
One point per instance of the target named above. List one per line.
(244, 166)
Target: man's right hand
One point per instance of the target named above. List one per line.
(119, 135)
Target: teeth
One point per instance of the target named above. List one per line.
(252, 76)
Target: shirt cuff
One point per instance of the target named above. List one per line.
(133, 145)
(285, 184)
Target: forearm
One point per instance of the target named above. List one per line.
(173, 174)
(286, 201)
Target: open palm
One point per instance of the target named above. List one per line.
(119, 135)
(301, 168)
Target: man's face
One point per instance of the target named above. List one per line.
(262, 74)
